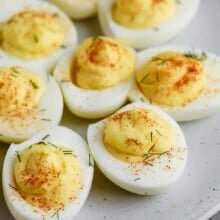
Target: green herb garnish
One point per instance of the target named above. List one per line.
(45, 137)
(13, 187)
(56, 214)
(34, 85)
(18, 155)
(201, 57)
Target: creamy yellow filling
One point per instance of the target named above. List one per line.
(20, 90)
(102, 62)
(172, 79)
(142, 13)
(32, 34)
(47, 176)
(138, 135)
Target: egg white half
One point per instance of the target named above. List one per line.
(208, 101)
(139, 178)
(87, 103)
(49, 112)
(142, 38)
(46, 62)
(20, 209)
(77, 9)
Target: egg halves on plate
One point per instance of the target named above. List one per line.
(30, 101)
(139, 148)
(96, 78)
(183, 81)
(48, 176)
(144, 23)
(35, 32)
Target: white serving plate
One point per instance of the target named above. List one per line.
(197, 194)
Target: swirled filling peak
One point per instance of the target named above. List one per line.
(172, 78)
(102, 62)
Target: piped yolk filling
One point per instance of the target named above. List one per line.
(102, 62)
(142, 13)
(32, 34)
(20, 91)
(47, 176)
(172, 78)
(137, 136)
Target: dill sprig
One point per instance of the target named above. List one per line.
(13, 187)
(90, 161)
(45, 137)
(199, 57)
(56, 214)
(34, 85)
(17, 154)
(150, 154)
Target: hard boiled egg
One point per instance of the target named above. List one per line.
(30, 101)
(139, 148)
(144, 23)
(35, 32)
(96, 78)
(77, 9)
(48, 176)
(183, 81)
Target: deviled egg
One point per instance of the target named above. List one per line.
(139, 148)
(185, 82)
(35, 32)
(48, 176)
(30, 101)
(77, 9)
(96, 78)
(144, 23)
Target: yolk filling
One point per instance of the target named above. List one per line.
(137, 135)
(102, 62)
(172, 79)
(47, 176)
(32, 34)
(143, 13)
(20, 90)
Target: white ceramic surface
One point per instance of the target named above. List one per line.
(197, 195)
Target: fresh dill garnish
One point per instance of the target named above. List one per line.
(34, 85)
(13, 187)
(160, 60)
(45, 137)
(56, 214)
(35, 38)
(64, 81)
(137, 179)
(192, 55)
(45, 119)
(157, 77)
(42, 110)
(53, 145)
(151, 148)
(158, 132)
(144, 78)
(63, 46)
(90, 161)
(156, 28)
(134, 140)
(142, 99)
(18, 155)
(150, 154)
(55, 14)
(15, 69)
(151, 136)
